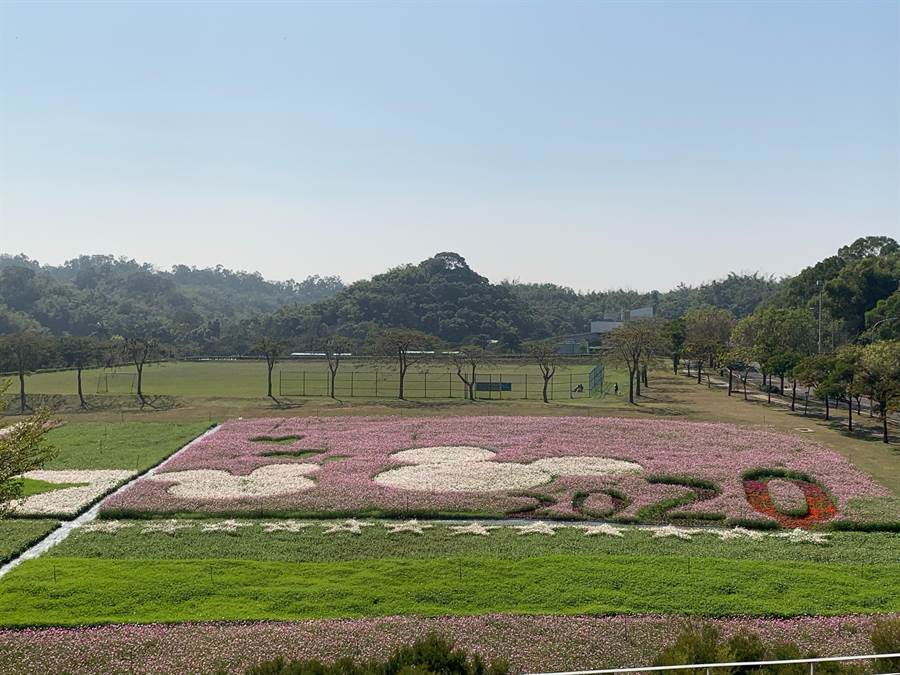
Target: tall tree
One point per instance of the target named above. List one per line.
(404, 347)
(707, 331)
(22, 353)
(881, 363)
(633, 344)
(467, 361)
(816, 371)
(138, 351)
(546, 355)
(674, 336)
(335, 348)
(271, 348)
(78, 353)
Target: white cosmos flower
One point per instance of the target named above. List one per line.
(71, 500)
(268, 480)
(602, 529)
(413, 526)
(472, 528)
(351, 525)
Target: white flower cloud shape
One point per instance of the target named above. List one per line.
(266, 481)
(470, 469)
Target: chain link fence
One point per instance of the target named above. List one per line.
(425, 384)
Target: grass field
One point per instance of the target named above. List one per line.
(17, 535)
(75, 591)
(132, 445)
(247, 379)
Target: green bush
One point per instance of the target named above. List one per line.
(886, 640)
(704, 644)
(430, 655)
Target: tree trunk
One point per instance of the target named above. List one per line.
(644, 375)
(268, 379)
(675, 365)
(140, 387)
(689, 367)
(806, 403)
(331, 387)
(769, 390)
(793, 395)
(402, 377)
(23, 404)
(630, 386)
(730, 380)
(744, 380)
(80, 392)
(544, 392)
(849, 414)
(827, 410)
(699, 369)
(637, 381)
(884, 429)
(472, 385)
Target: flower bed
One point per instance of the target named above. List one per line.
(575, 467)
(529, 643)
(69, 501)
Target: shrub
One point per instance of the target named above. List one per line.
(886, 640)
(432, 655)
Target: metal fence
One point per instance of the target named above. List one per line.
(740, 666)
(441, 384)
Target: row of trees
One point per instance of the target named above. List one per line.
(405, 347)
(30, 350)
(777, 342)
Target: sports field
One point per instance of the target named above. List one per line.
(309, 377)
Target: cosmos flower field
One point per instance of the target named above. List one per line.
(553, 542)
(522, 467)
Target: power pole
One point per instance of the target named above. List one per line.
(819, 288)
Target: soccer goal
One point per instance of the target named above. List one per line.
(116, 383)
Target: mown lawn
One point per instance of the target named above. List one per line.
(17, 535)
(132, 445)
(311, 544)
(71, 591)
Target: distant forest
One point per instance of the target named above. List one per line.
(220, 311)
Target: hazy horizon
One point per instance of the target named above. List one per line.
(594, 145)
(626, 287)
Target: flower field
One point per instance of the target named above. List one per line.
(529, 643)
(535, 467)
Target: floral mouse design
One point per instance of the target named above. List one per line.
(471, 469)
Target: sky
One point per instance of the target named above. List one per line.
(592, 144)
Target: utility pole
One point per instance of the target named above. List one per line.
(819, 288)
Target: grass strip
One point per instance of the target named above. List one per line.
(70, 591)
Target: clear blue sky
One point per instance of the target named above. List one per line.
(590, 144)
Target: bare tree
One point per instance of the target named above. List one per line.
(404, 347)
(78, 353)
(335, 349)
(23, 353)
(547, 357)
(139, 350)
(467, 361)
(271, 349)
